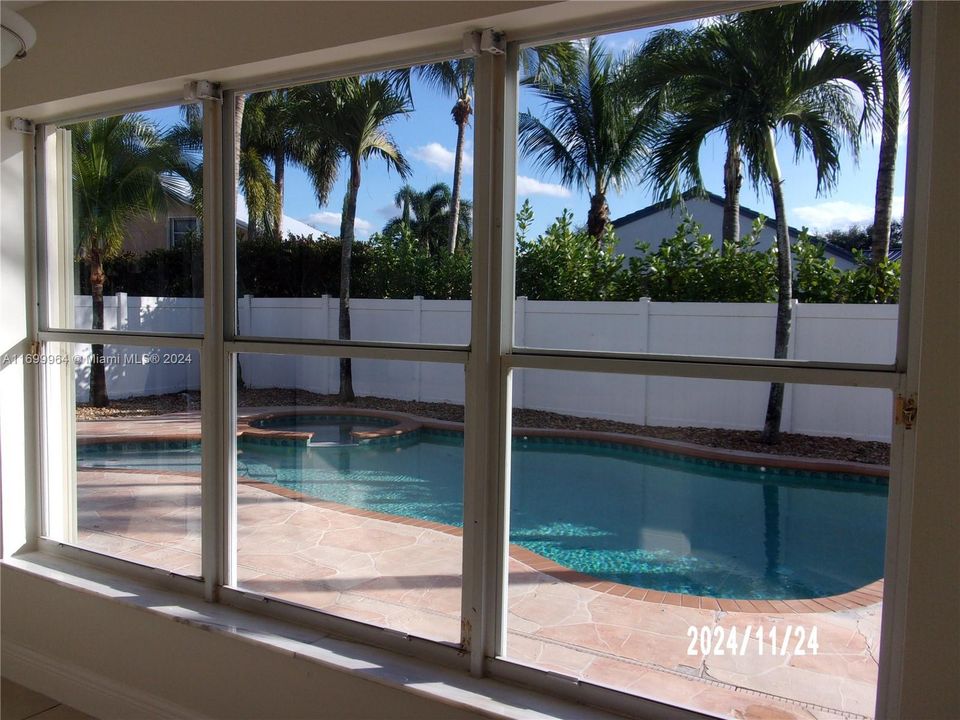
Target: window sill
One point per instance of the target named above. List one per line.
(486, 697)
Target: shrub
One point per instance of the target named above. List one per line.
(568, 264)
(401, 266)
(563, 263)
(688, 268)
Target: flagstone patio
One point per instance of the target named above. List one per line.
(406, 575)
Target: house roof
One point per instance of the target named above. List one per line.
(745, 211)
(287, 224)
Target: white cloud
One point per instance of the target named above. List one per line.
(436, 155)
(839, 214)
(531, 186)
(328, 219)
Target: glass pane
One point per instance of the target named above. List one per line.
(646, 212)
(654, 534)
(122, 444)
(124, 230)
(353, 508)
(357, 192)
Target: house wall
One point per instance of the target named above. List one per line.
(145, 233)
(660, 225)
(663, 224)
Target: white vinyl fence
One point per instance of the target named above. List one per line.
(848, 333)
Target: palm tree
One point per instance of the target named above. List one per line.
(887, 24)
(349, 118)
(427, 215)
(274, 128)
(685, 76)
(593, 136)
(456, 77)
(122, 169)
(790, 72)
(254, 177)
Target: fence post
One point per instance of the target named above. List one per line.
(418, 324)
(121, 311)
(520, 340)
(787, 422)
(643, 345)
(328, 363)
(245, 316)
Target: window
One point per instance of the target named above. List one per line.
(181, 228)
(123, 240)
(493, 439)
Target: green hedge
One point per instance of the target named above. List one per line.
(563, 263)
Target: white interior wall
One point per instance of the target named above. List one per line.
(17, 500)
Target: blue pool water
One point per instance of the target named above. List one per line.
(624, 514)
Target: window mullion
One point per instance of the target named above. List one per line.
(487, 428)
(213, 403)
(227, 359)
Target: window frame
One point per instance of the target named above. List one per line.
(489, 360)
(172, 233)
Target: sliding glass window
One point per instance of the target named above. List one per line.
(513, 359)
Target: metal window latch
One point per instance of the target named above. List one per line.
(489, 41)
(21, 125)
(493, 42)
(905, 411)
(202, 90)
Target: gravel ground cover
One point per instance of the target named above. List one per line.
(834, 448)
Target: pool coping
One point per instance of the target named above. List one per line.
(410, 423)
(869, 594)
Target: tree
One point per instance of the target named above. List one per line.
(806, 85)
(122, 169)
(784, 69)
(887, 25)
(686, 76)
(350, 120)
(427, 215)
(275, 131)
(593, 136)
(453, 77)
(456, 77)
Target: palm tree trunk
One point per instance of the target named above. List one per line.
(732, 179)
(240, 103)
(346, 250)
(279, 162)
(883, 205)
(455, 193)
(771, 428)
(599, 216)
(98, 375)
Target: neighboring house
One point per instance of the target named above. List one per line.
(179, 221)
(659, 221)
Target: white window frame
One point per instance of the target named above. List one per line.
(489, 361)
(172, 232)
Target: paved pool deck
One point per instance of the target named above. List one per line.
(406, 575)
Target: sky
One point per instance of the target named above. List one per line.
(427, 137)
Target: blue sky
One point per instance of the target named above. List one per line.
(427, 137)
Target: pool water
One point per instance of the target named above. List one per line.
(620, 513)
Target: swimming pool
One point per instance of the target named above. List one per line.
(623, 513)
